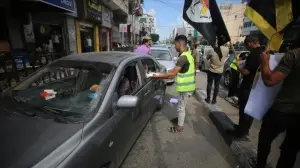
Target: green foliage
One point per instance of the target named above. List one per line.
(154, 37)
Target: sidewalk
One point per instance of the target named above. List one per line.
(223, 114)
(198, 146)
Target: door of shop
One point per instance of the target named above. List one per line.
(87, 36)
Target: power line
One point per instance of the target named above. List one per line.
(168, 5)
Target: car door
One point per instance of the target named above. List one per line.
(152, 86)
(128, 121)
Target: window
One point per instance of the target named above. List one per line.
(130, 81)
(161, 55)
(150, 66)
(77, 86)
(129, 84)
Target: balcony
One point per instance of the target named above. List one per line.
(117, 6)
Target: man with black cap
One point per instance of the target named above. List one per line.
(248, 71)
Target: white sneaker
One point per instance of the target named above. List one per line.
(229, 99)
(235, 99)
(197, 70)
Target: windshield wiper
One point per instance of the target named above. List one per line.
(61, 112)
(20, 99)
(64, 116)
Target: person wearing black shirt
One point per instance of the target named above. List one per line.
(248, 72)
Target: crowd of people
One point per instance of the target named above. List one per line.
(283, 116)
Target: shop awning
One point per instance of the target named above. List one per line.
(68, 5)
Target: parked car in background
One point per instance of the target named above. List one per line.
(75, 111)
(227, 70)
(160, 45)
(204, 64)
(165, 58)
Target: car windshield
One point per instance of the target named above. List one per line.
(161, 55)
(66, 86)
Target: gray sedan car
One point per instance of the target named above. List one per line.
(84, 110)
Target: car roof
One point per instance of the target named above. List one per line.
(159, 45)
(159, 48)
(110, 57)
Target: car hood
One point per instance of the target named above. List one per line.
(25, 140)
(168, 64)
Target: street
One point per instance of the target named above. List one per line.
(199, 145)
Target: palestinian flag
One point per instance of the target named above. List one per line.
(271, 17)
(205, 17)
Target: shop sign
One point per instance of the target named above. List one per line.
(68, 5)
(122, 28)
(106, 17)
(93, 10)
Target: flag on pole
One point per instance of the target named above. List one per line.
(205, 17)
(271, 17)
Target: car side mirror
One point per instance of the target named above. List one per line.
(127, 101)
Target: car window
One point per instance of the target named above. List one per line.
(149, 66)
(129, 83)
(161, 55)
(130, 80)
(231, 58)
(66, 86)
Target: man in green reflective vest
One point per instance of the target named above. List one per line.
(184, 72)
(234, 82)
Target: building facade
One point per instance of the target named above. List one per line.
(148, 23)
(178, 31)
(233, 16)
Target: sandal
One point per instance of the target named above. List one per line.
(175, 129)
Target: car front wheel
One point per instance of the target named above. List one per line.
(227, 79)
(161, 99)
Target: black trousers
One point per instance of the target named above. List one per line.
(233, 87)
(273, 124)
(245, 121)
(213, 77)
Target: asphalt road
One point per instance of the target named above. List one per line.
(199, 146)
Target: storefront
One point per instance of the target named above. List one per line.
(87, 26)
(33, 33)
(106, 42)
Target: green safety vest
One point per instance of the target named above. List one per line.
(233, 65)
(185, 82)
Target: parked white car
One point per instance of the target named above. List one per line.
(165, 58)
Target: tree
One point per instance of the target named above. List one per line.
(154, 37)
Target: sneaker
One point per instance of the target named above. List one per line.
(213, 101)
(229, 99)
(197, 70)
(235, 99)
(207, 101)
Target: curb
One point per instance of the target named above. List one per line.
(243, 151)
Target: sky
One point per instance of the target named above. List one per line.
(168, 14)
